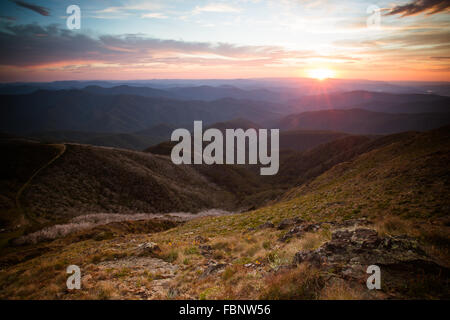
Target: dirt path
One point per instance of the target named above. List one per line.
(62, 149)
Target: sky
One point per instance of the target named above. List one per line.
(202, 39)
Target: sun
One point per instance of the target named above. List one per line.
(321, 74)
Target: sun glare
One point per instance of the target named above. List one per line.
(321, 74)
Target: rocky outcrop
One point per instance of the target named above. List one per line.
(299, 230)
(363, 245)
(200, 239)
(267, 225)
(287, 223)
(148, 249)
(406, 268)
(213, 267)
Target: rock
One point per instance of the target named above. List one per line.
(266, 225)
(353, 223)
(303, 256)
(312, 227)
(286, 223)
(200, 239)
(205, 247)
(148, 248)
(205, 250)
(404, 265)
(283, 268)
(362, 246)
(213, 268)
(299, 230)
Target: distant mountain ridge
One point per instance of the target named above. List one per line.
(78, 110)
(374, 101)
(359, 121)
(138, 141)
(121, 116)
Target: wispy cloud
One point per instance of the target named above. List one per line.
(216, 7)
(39, 9)
(154, 15)
(144, 9)
(138, 6)
(420, 6)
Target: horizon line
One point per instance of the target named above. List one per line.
(225, 79)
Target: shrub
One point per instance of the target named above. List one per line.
(228, 273)
(191, 250)
(267, 245)
(274, 260)
(170, 256)
(311, 241)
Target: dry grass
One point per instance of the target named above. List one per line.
(340, 290)
(303, 282)
(393, 225)
(311, 241)
(105, 290)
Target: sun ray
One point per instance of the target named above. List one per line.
(321, 74)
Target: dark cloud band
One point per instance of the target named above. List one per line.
(420, 6)
(39, 9)
(28, 45)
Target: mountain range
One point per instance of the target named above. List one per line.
(129, 116)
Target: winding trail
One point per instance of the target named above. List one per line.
(62, 149)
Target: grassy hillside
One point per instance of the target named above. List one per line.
(407, 175)
(392, 195)
(301, 140)
(20, 159)
(87, 179)
(110, 183)
(132, 141)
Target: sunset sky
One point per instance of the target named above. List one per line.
(225, 39)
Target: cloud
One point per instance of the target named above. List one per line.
(41, 10)
(142, 9)
(420, 6)
(216, 7)
(127, 8)
(7, 18)
(154, 15)
(34, 45)
(38, 50)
